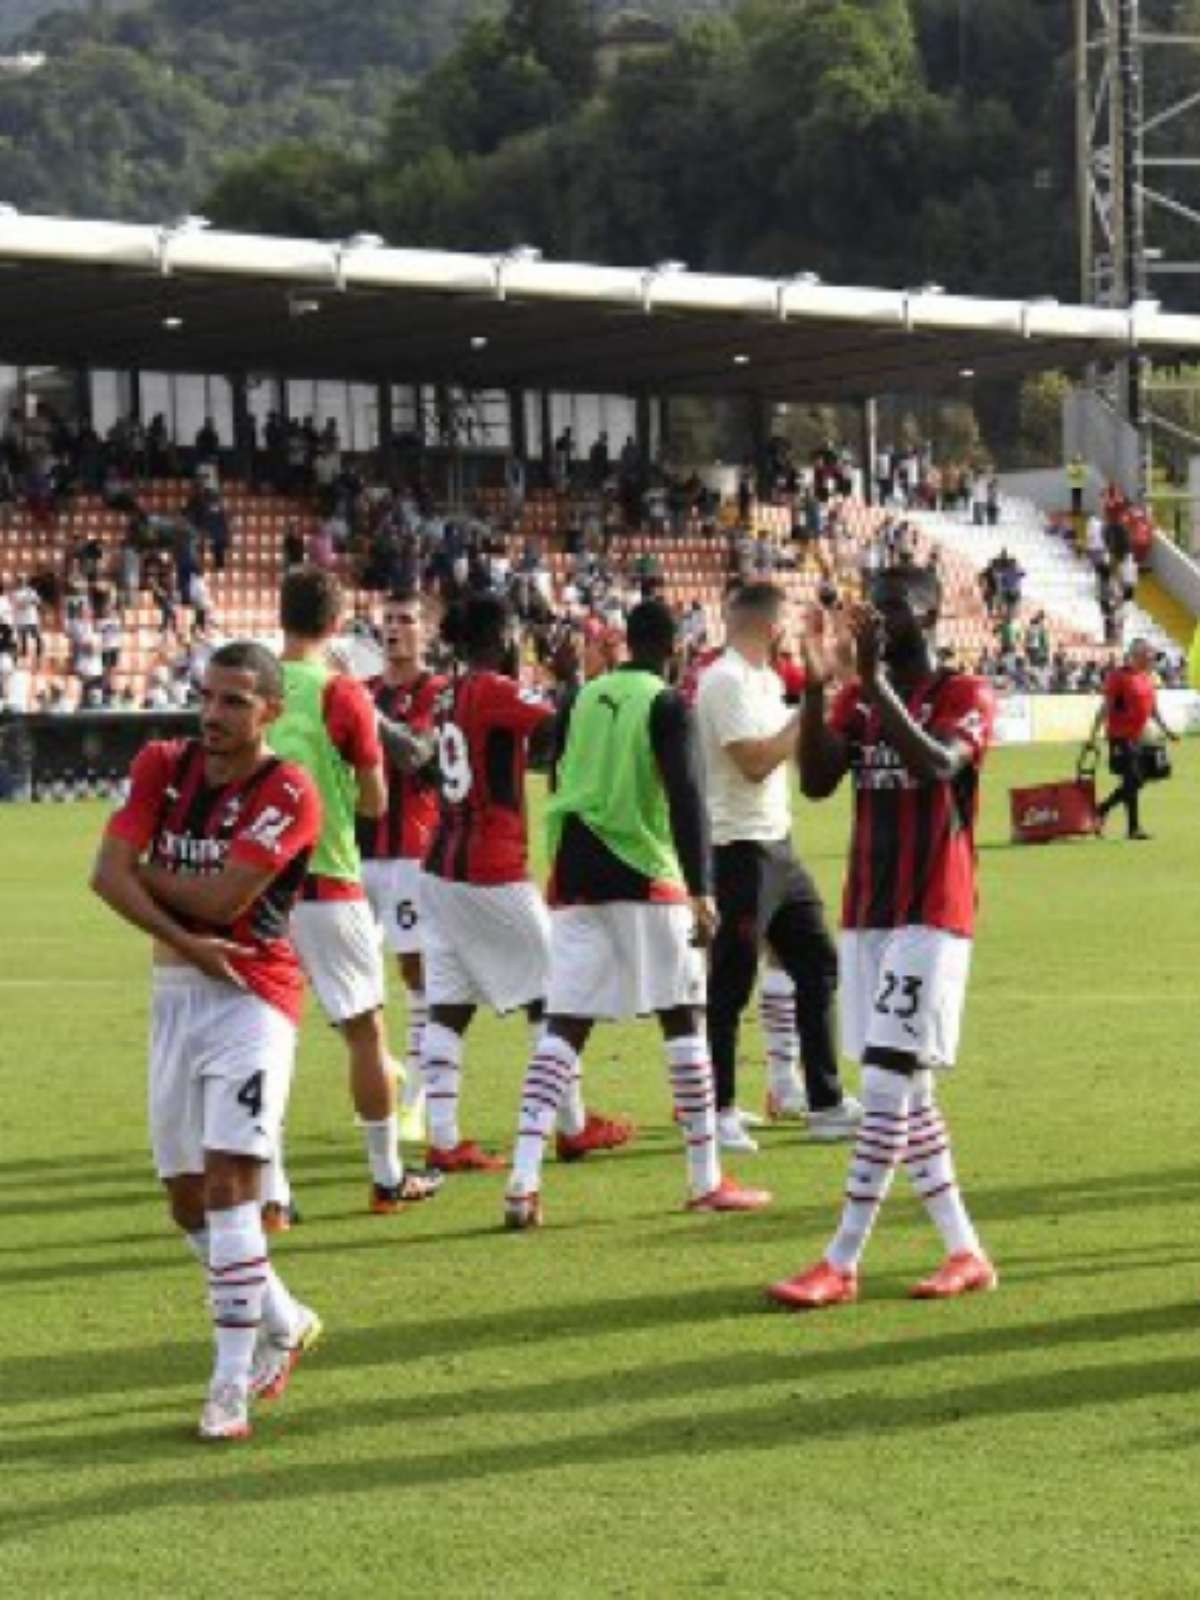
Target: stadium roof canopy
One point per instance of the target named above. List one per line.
(187, 298)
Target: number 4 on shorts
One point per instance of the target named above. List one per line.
(250, 1094)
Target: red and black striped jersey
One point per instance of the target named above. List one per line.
(272, 819)
(484, 722)
(912, 846)
(406, 827)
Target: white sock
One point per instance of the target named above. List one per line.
(237, 1262)
(197, 1243)
(418, 1016)
(276, 1190)
(877, 1152)
(382, 1140)
(441, 1073)
(547, 1080)
(572, 1113)
(777, 1017)
(280, 1312)
(695, 1110)
(929, 1163)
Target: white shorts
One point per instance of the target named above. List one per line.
(903, 989)
(393, 889)
(484, 944)
(623, 960)
(338, 945)
(220, 1071)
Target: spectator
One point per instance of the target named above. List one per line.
(185, 548)
(129, 568)
(86, 662)
(1037, 641)
(163, 596)
(111, 638)
(200, 600)
(27, 618)
(208, 443)
(293, 547)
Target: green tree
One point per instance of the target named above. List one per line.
(559, 34)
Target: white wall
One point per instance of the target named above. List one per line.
(1178, 573)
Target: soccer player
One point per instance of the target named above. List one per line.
(484, 924)
(914, 739)
(629, 888)
(329, 728)
(394, 844)
(762, 890)
(1129, 706)
(207, 856)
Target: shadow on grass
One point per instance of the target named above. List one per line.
(806, 1414)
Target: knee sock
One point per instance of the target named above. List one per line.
(930, 1165)
(418, 1016)
(777, 1016)
(695, 1110)
(441, 1073)
(237, 1276)
(382, 1140)
(547, 1081)
(572, 1113)
(878, 1150)
(280, 1312)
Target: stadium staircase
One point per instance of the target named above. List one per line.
(1058, 580)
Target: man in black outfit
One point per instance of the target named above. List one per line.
(763, 893)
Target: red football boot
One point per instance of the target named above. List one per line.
(597, 1133)
(819, 1286)
(730, 1195)
(964, 1273)
(466, 1156)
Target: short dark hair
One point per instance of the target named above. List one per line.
(476, 625)
(763, 600)
(651, 630)
(921, 582)
(401, 597)
(310, 602)
(247, 655)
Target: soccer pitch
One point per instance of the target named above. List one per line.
(608, 1406)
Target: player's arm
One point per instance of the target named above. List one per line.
(672, 737)
(217, 898)
(284, 820)
(824, 753)
(523, 711)
(352, 724)
(406, 751)
(116, 879)
(561, 733)
(927, 756)
(1097, 723)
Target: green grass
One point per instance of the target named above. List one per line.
(607, 1407)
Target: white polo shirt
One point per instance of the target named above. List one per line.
(738, 701)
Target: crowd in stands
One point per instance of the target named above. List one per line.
(394, 536)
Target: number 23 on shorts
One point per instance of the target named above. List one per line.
(899, 995)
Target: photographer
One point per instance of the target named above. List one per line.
(1130, 705)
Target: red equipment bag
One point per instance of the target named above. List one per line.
(1057, 810)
